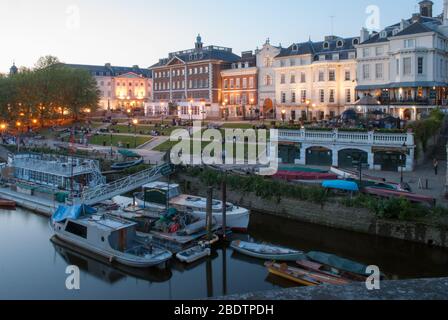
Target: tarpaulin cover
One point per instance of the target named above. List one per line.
(73, 212)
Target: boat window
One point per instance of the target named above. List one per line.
(102, 239)
(76, 229)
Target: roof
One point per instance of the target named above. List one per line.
(414, 28)
(112, 71)
(331, 45)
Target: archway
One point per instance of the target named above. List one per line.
(268, 106)
(319, 156)
(389, 160)
(407, 114)
(347, 158)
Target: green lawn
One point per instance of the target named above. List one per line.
(145, 129)
(116, 140)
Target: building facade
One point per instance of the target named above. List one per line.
(240, 89)
(315, 80)
(125, 88)
(188, 83)
(405, 66)
(266, 78)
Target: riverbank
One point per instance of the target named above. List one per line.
(329, 214)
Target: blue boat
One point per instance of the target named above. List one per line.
(341, 185)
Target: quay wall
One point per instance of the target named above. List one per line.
(332, 215)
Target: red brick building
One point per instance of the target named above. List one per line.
(188, 83)
(240, 88)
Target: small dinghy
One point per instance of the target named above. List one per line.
(194, 254)
(7, 204)
(267, 252)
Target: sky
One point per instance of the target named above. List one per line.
(139, 32)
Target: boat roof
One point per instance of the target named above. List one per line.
(161, 185)
(104, 222)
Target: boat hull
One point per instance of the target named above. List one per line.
(201, 253)
(266, 256)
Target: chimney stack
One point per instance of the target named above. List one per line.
(426, 8)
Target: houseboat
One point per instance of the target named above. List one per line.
(106, 236)
(157, 196)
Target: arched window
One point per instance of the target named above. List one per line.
(355, 41)
(326, 45)
(268, 80)
(340, 43)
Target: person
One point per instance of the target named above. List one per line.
(436, 166)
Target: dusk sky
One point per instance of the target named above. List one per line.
(142, 31)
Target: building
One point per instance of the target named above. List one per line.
(315, 80)
(240, 89)
(405, 66)
(188, 83)
(266, 78)
(13, 70)
(125, 88)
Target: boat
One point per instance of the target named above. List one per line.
(307, 176)
(412, 197)
(341, 185)
(126, 164)
(157, 196)
(339, 263)
(7, 204)
(331, 271)
(107, 236)
(301, 276)
(266, 252)
(194, 254)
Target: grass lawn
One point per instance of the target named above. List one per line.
(145, 129)
(116, 140)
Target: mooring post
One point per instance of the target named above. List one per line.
(209, 212)
(224, 205)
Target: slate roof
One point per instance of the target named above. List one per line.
(111, 71)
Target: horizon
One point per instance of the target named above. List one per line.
(80, 32)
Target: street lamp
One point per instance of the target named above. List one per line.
(402, 162)
(135, 123)
(307, 110)
(19, 125)
(283, 115)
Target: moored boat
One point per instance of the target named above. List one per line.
(339, 263)
(194, 254)
(157, 196)
(7, 204)
(126, 164)
(107, 236)
(331, 271)
(412, 197)
(266, 252)
(301, 276)
(341, 185)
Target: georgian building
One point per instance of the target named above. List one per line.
(188, 83)
(315, 80)
(405, 66)
(266, 78)
(125, 88)
(239, 88)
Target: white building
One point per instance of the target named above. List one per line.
(405, 66)
(266, 78)
(315, 80)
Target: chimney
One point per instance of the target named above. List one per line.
(365, 34)
(426, 8)
(445, 12)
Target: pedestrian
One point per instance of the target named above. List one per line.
(436, 166)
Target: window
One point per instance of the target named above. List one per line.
(335, 57)
(348, 96)
(331, 100)
(231, 84)
(302, 77)
(366, 72)
(379, 71)
(292, 62)
(244, 83)
(407, 66)
(420, 65)
(282, 63)
(409, 43)
(355, 41)
(251, 82)
(76, 229)
(398, 66)
(283, 78)
(348, 75)
(379, 51)
(332, 75)
(267, 62)
(340, 43)
(293, 78)
(268, 80)
(293, 97)
(326, 45)
(366, 52)
(238, 83)
(201, 69)
(321, 76)
(303, 96)
(206, 69)
(322, 95)
(226, 84)
(283, 97)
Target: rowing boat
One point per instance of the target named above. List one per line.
(330, 271)
(266, 252)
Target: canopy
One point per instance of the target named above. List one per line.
(341, 185)
(73, 212)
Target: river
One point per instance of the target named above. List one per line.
(32, 267)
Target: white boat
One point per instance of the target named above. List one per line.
(194, 254)
(107, 236)
(157, 195)
(266, 251)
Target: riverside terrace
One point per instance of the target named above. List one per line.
(378, 151)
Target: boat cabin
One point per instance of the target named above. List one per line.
(160, 192)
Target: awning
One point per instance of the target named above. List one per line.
(396, 85)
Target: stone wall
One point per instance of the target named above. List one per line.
(332, 214)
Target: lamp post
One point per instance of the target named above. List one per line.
(18, 125)
(190, 110)
(135, 123)
(307, 109)
(283, 115)
(402, 162)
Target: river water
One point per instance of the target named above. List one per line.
(32, 267)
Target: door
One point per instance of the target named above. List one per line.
(319, 156)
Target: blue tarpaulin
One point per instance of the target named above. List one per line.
(73, 212)
(341, 185)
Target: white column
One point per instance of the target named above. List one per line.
(335, 156)
(302, 160)
(371, 160)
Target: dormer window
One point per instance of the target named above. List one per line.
(355, 41)
(295, 47)
(395, 32)
(340, 43)
(326, 45)
(383, 34)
